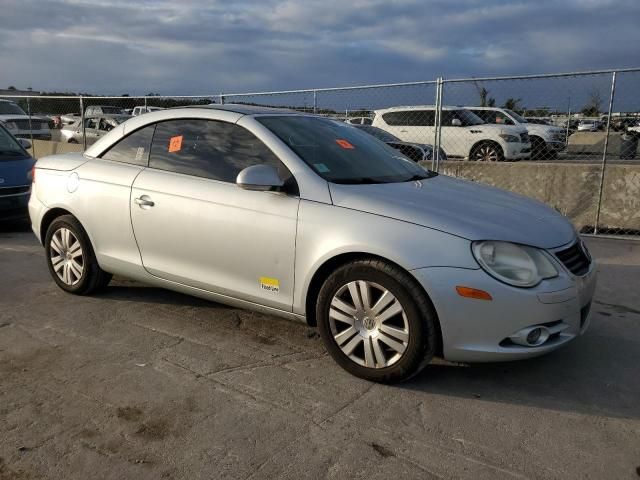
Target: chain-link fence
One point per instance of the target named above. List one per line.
(569, 140)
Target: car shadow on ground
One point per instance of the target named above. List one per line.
(131, 291)
(593, 375)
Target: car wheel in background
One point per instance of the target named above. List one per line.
(70, 258)
(539, 149)
(487, 152)
(72, 140)
(376, 321)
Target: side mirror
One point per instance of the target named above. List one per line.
(456, 122)
(262, 178)
(26, 144)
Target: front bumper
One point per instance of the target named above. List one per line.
(517, 151)
(479, 330)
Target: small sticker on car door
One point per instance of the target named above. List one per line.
(175, 144)
(270, 284)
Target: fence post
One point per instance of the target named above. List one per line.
(33, 145)
(84, 136)
(435, 158)
(604, 153)
(221, 98)
(315, 101)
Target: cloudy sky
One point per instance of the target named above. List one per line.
(211, 46)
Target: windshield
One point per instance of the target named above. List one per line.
(378, 133)
(341, 153)
(518, 118)
(9, 146)
(10, 108)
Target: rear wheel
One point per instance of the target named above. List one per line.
(70, 258)
(487, 152)
(376, 321)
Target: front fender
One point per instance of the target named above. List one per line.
(326, 231)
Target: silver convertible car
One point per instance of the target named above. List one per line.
(309, 218)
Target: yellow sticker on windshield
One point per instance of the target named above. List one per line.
(270, 284)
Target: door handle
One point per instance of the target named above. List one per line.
(144, 201)
(403, 131)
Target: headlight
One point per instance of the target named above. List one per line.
(510, 138)
(11, 125)
(514, 264)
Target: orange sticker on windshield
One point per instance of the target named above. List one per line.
(344, 144)
(175, 144)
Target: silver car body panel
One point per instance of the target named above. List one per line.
(261, 250)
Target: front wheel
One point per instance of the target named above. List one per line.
(70, 257)
(487, 152)
(376, 321)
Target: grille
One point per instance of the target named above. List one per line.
(575, 259)
(14, 190)
(524, 137)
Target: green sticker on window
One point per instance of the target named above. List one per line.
(321, 167)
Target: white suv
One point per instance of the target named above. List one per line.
(546, 140)
(463, 134)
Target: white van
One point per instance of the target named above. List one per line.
(464, 134)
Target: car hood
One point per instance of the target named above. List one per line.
(15, 172)
(462, 208)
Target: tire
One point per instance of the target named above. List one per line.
(487, 152)
(539, 150)
(76, 269)
(410, 337)
(72, 140)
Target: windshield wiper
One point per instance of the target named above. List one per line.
(357, 181)
(421, 176)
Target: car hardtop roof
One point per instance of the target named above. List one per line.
(6, 101)
(418, 107)
(246, 109)
(484, 108)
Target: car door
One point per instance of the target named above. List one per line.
(195, 226)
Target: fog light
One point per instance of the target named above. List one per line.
(531, 336)
(534, 336)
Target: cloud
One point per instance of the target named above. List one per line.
(209, 46)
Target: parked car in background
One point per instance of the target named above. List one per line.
(94, 128)
(393, 263)
(463, 133)
(359, 120)
(95, 110)
(15, 176)
(20, 124)
(142, 109)
(589, 126)
(546, 140)
(69, 118)
(622, 124)
(418, 152)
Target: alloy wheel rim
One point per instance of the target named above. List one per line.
(66, 256)
(369, 324)
(487, 154)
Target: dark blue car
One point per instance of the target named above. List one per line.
(15, 177)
